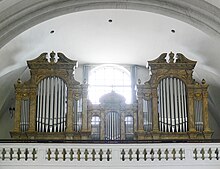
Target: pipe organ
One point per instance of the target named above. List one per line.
(53, 105)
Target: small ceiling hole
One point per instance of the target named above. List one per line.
(173, 31)
(110, 20)
(52, 31)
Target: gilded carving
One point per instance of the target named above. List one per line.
(165, 66)
(175, 66)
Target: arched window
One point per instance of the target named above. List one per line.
(106, 78)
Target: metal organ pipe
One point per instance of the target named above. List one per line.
(198, 115)
(51, 105)
(175, 97)
(149, 103)
(161, 108)
(165, 106)
(59, 106)
(38, 109)
(40, 106)
(179, 106)
(147, 114)
(112, 126)
(55, 120)
(185, 107)
(173, 121)
(25, 106)
(172, 105)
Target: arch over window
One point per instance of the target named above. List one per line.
(51, 105)
(106, 78)
(172, 105)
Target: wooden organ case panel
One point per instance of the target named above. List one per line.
(50, 104)
(178, 104)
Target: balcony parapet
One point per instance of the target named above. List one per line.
(82, 155)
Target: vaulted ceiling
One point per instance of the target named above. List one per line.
(110, 31)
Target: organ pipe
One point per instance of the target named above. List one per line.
(198, 115)
(51, 105)
(25, 107)
(112, 129)
(172, 105)
(147, 111)
(77, 106)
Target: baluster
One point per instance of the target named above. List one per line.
(123, 155)
(130, 154)
(86, 154)
(19, 154)
(152, 154)
(174, 154)
(100, 154)
(26, 152)
(34, 152)
(210, 153)
(78, 154)
(138, 154)
(64, 154)
(166, 152)
(56, 154)
(11, 152)
(159, 154)
(93, 154)
(181, 152)
(3, 154)
(217, 153)
(108, 154)
(49, 154)
(145, 154)
(203, 153)
(71, 154)
(195, 154)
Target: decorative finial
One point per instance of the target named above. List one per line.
(52, 57)
(171, 59)
(19, 81)
(203, 81)
(139, 81)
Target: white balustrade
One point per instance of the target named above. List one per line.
(166, 155)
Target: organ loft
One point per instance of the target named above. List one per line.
(53, 105)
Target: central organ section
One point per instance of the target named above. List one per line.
(53, 105)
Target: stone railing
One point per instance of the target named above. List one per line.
(170, 155)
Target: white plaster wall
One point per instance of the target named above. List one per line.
(143, 74)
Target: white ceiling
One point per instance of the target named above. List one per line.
(133, 37)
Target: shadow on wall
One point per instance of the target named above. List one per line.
(7, 95)
(214, 107)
